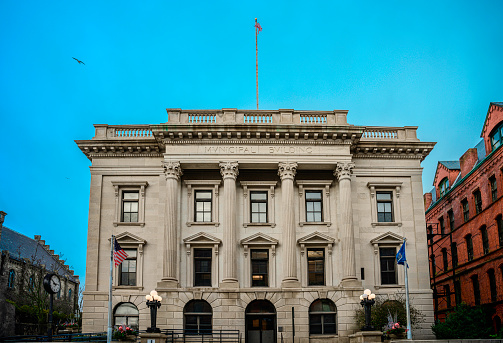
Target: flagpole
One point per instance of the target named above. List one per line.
(256, 56)
(409, 329)
(109, 330)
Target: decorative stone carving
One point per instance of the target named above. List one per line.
(287, 170)
(343, 170)
(172, 170)
(229, 170)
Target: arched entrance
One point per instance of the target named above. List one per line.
(260, 322)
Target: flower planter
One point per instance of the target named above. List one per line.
(393, 336)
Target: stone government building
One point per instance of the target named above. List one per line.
(236, 217)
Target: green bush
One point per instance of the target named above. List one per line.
(464, 322)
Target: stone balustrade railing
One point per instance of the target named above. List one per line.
(373, 133)
(122, 131)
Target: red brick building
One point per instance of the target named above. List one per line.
(465, 226)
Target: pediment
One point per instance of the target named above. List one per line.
(202, 238)
(129, 238)
(388, 238)
(259, 239)
(316, 238)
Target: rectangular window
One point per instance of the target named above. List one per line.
(260, 268)
(476, 289)
(444, 259)
(454, 252)
(485, 240)
(469, 247)
(202, 267)
(457, 292)
(466, 210)
(450, 214)
(314, 206)
(499, 223)
(130, 206)
(388, 266)
(442, 225)
(316, 267)
(477, 198)
(202, 206)
(127, 269)
(447, 291)
(494, 188)
(384, 207)
(258, 207)
(492, 285)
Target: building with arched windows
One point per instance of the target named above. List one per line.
(464, 221)
(246, 219)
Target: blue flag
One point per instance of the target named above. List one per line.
(400, 256)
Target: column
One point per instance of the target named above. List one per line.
(343, 173)
(229, 171)
(286, 172)
(173, 172)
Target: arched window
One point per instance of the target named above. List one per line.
(496, 136)
(12, 278)
(126, 314)
(322, 317)
(443, 186)
(197, 316)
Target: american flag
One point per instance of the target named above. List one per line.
(119, 253)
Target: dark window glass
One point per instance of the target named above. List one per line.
(457, 292)
(384, 207)
(499, 223)
(258, 207)
(198, 317)
(260, 268)
(444, 186)
(202, 204)
(322, 317)
(444, 259)
(31, 283)
(388, 266)
(316, 267)
(314, 206)
(70, 294)
(494, 188)
(447, 291)
(450, 214)
(469, 247)
(485, 239)
(496, 136)
(202, 267)
(476, 289)
(477, 198)
(442, 225)
(492, 285)
(130, 206)
(466, 210)
(127, 269)
(454, 253)
(12, 279)
(433, 265)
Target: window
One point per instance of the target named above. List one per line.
(457, 292)
(477, 198)
(469, 247)
(258, 207)
(443, 186)
(314, 206)
(492, 285)
(442, 225)
(127, 269)
(202, 196)
(202, 206)
(202, 267)
(129, 203)
(70, 294)
(384, 207)
(58, 295)
(496, 136)
(388, 266)
(322, 317)
(499, 224)
(447, 292)
(444, 259)
(494, 188)
(12, 279)
(259, 268)
(197, 315)
(454, 253)
(485, 239)
(433, 265)
(450, 215)
(316, 267)
(31, 283)
(466, 210)
(127, 314)
(476, 289)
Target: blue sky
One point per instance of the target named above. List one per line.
(432, 64)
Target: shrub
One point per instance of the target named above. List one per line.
(464, 322)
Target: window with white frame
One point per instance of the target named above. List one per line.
(260, 255)
(316, 259)
(385, 267)
(258, 204)
(129, 202)
(314, 204)
(202, 260)
(385, 203)
(129, 274)
(202, 207)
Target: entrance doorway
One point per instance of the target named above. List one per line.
(260, 322)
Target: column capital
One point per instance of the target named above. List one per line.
(287, 170)
(172, 170)
(229, 170)
(343, 170)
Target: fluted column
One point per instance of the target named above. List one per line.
(286, 172)
(229, 171)
(343, 173)
(173, 172)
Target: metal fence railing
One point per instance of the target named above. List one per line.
(65, 337)
(194, 336)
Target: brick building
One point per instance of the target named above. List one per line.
(464, 223)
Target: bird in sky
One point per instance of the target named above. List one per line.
(78, 61)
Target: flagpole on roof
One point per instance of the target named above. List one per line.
(109, 329)
(257, 25)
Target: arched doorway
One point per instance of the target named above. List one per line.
(260, 322)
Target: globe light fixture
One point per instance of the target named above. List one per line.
(153, 302)
(367, 300)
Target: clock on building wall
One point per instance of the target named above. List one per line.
(52, 283)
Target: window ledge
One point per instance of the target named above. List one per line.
(129, 224)
(259, 224)
(319, 335)
(374, 224)
(139, 288)
(203, 223)
(328, 224)
(389, 286)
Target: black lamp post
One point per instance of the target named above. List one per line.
(367, 300)
(153, 302)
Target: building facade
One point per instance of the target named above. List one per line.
(464, 222)
(241, 218)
